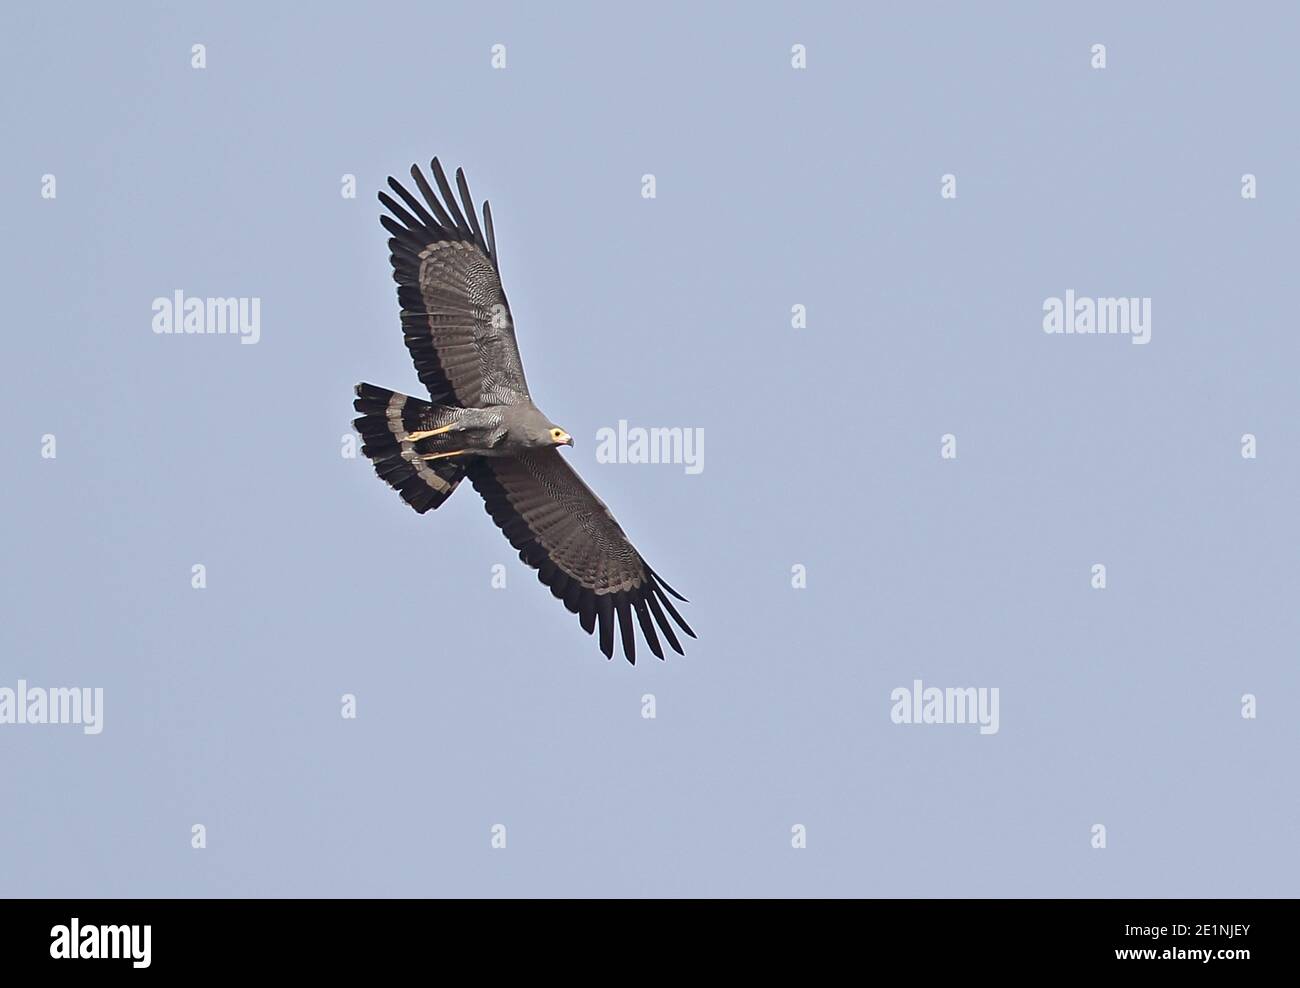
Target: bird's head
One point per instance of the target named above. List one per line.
(533, 429)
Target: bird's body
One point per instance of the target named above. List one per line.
(481, 422)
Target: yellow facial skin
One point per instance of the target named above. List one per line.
(561, 438)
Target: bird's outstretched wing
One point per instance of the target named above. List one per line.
(564, 530)
(455, 316)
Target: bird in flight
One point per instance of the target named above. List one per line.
(481, 423)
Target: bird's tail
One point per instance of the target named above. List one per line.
(386, 423)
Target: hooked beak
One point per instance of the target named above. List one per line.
(564, 439)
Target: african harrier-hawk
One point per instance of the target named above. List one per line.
(481, 422)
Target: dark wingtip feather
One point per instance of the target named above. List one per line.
(681, 621)
(664, 583)
(647, 625)
(414, 205)
(605, 611)
(491, 236)
(587, 612)
(444, 187)
(396, 229)
(392, 206)
(664, 624)
(430, 198)
(467, 201)
(624, 611)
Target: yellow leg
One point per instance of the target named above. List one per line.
(439, 456)
(415, 437)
